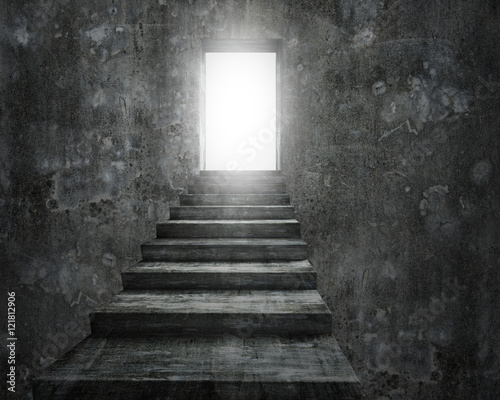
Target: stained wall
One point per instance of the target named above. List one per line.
(390, 124)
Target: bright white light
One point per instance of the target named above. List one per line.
(240, 111)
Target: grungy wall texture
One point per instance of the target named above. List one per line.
(391, 124)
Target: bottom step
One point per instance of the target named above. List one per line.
(206, 368)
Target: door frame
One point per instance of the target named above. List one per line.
(240, 46)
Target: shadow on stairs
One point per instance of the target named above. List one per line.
(223, 306)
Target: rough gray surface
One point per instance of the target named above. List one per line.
(242, 312)
(213, 313)
(216, 275)
(232, 212)
(285, 228)
(223, 368)
(234, 199)
(226, 249)
(391, 118)
(241, 188)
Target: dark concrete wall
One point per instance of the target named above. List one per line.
(391, 116)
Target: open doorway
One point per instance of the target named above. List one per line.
(240, 124)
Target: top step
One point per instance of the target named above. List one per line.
(237, 188)
(241, 173)
(234, 200)
(231, 177)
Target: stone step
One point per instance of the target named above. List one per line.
(234, 199)
(293, 275)
(237, 188)
(260, 174)
(239, 178)
(231, 212)
(228, 249)
(284, 228)
(209, 313)
(213, 317)
(218, 368)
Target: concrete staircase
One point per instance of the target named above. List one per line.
(223, 306)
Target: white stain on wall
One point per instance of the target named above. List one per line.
(22, 35)
(98, 34)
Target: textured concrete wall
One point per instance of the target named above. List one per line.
(391, 115)
(394, 138)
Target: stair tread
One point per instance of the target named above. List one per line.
(277, 180)
(229, 221)
(237, 187)
(216, 302)
(224, 242)
(221, 267)
(240, 173)
(243, 207)
(240, 178)
(256, 184)
(257, 212)
(228, 228)
(235, 199)
(241, 195)
(216, 359)
(220, 276)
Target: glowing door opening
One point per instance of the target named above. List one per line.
(240, 111)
